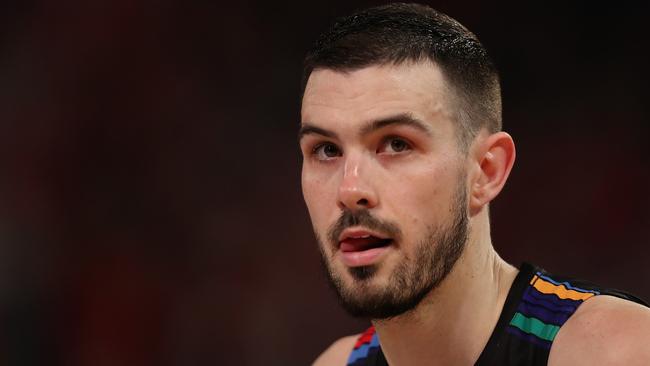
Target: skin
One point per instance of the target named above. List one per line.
(408, 174)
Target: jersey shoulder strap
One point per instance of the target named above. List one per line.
(365, 350)
(537, 306)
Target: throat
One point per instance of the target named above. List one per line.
(452, 325)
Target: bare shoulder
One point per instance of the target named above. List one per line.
(605, 330)
(337, 354)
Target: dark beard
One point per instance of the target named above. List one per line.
(413, 278)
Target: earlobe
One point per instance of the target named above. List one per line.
(495, 157)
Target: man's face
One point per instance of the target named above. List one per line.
(384, 182)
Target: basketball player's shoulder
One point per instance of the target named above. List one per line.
(337, 354)
(605, 330)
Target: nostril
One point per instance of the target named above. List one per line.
(362, 202)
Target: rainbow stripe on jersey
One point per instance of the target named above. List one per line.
(544, 307)
(365, 348)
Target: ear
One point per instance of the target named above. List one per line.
(493, 157)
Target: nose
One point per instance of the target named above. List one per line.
(356, 190)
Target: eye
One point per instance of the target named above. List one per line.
(394, 145)
(326, 151)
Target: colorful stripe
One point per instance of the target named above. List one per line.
(560, 290)
(551, 302)
(565, 284)
(366, 337)
(543, 313)
(534, 326)
(544, 307)
(367, 345)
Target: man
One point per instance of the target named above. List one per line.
(403, 151)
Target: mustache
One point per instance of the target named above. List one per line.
(361, 218)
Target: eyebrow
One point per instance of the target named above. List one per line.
(404, 119)
(308, 129)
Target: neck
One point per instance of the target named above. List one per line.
(455, 320)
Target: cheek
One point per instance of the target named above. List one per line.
(421, 199)
(317, 196)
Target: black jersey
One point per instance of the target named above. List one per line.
(537, 305)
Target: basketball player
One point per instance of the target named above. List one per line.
(403, 152)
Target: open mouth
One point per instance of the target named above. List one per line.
(360, 247)
(362, 243)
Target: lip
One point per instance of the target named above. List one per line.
(365, 257)
(359, 258)
(353, 233)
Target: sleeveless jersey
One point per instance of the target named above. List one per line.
(537, 305)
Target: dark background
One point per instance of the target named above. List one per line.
(150, 207)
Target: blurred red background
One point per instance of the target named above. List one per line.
(150, 206)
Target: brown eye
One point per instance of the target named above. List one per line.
(327, 151)
(394, 145)
(398, 145)
(330, 150)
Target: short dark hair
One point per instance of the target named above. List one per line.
(398, 33)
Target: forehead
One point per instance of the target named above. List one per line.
(375, 91)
